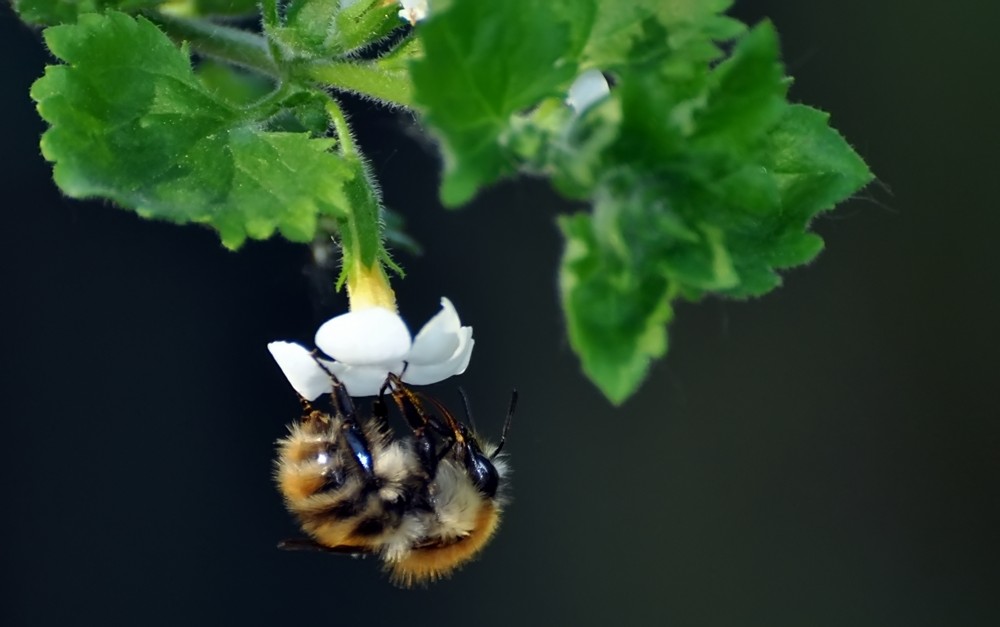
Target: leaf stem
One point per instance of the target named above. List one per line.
(269, 14)
(271, 19)
(221, 42)
(344, 138)
(366, 78)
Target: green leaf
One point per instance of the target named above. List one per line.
(51, 12)
(745, 95)
(363, 22)
(615, 316)
(235, 86)
(142, 130)
(812, 168)
(813, 164)
(307, 28)
(483, 62)
(691, 24)
(322, 29)
(703, 179)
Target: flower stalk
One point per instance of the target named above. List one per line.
(368, 286)
(361, 229)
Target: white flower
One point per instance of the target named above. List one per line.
(587, 89)
(413, 10)
(368, 344)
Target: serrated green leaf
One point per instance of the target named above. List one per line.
(616, 318)
(484, 62)
(309, 26)
(323, 29)
(745, 95)
(362, 22)
(812, 168)
(142, 130)
(703, 179)
(691, 25)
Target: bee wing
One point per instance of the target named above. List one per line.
(307, 544)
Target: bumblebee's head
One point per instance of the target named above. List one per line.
(481, 468)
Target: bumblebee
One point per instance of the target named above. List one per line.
(424, 504)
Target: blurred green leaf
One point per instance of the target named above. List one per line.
(691, 24)
(51, 12)
(213, 7)
(484, 62)
(616, 316)
(702, 181)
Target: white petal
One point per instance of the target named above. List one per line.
(413, 10)
(364, 380)
(587, 89)
(365, 338)
(300, 369)
(432, 373)
(438, 339)
(464, 353)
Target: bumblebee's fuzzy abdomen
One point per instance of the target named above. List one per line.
(309, 463)
(336, 501)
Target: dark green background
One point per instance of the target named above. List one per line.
(825, 456)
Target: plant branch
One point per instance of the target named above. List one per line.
(221, 42)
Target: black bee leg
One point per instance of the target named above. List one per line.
(354, 437)
(412, 409)
(380, 412)
(308, 544)
(427, 430)
(479, 466)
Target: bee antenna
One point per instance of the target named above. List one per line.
(468, 408)
(506, 423)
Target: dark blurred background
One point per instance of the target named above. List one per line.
(824, 456)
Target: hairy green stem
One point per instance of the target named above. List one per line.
(363, 77)
(342, 128)
(269, 13)
(221, 42)
(272, 21)
(361, 230)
